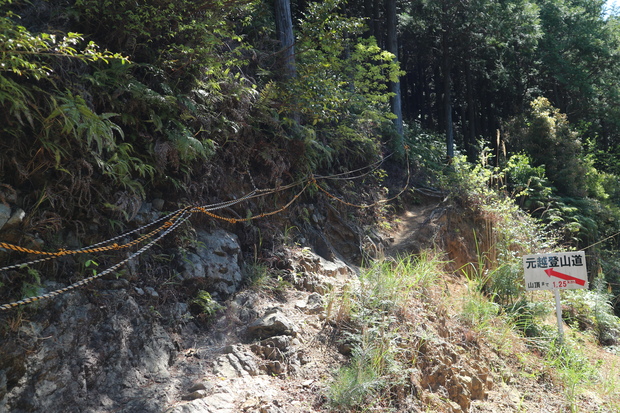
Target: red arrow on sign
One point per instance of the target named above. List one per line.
(553, 273)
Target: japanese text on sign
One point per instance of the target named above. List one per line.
(561, 270)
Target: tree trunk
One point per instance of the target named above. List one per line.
(447, 96)
(369, 11)
(376, 22)
(470, 136)
(392, 46)
(284, 27)
(426, 102)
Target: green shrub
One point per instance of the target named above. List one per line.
(373, 367)
(527, 317)
(339, 92)
(526, 183)
(480, 187)
(592, 310)
(505, 284)
(206, 304)
(426, 149)
(547, 137)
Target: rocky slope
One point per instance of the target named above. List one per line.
(130, 345)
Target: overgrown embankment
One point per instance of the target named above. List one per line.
(263, 202)
(448, 329)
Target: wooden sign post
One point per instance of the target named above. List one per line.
(556, 271)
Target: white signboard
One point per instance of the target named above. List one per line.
(558, 270)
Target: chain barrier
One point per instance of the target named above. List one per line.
(601, 241)
(99, 248)
(184, 217)
(262, 215)
(115, 246)
(372, 168)
(346, 175)
(172, 221)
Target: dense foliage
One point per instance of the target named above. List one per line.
(157, 97)
(89, 132)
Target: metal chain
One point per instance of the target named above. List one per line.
(171, 222)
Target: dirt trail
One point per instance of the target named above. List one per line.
(277, 345)
(415, 229)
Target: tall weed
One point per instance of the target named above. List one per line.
(573, 368)
(372, 328)
(391, 282)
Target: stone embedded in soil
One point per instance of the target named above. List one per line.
(236, 363)
(313, 305)
(274, 368)
(273, 323)
(216, 258)
(201, 385)
(334, 268)
(158, 204)
(314, 283)
(274, 348)
(198, 394)
(280, 342)
(279, 355)
(5, 214)
(216, 403)
(16, 218)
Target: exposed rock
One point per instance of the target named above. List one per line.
(117, 284)
(279, 354)
(5, 214)
(216, 258)
(151, 291)
(309, 262)
(314, 304)
(16, 218)
(342, 236)
(273, 348)
(250, 404)
(314, 283)
(313, 273)
(236, 363)
(447, 367)
(312, 263)
(334, 268)
(477, 387)
(98, 355)
(459, 391)
(274, 368)
(273, 323)
(158, 204)
(215, 403)
(202, 385)
(197, 394)
(145, 214)
(180, 311)
(193, 266)
(243, 307)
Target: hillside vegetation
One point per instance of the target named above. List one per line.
(319, 126)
